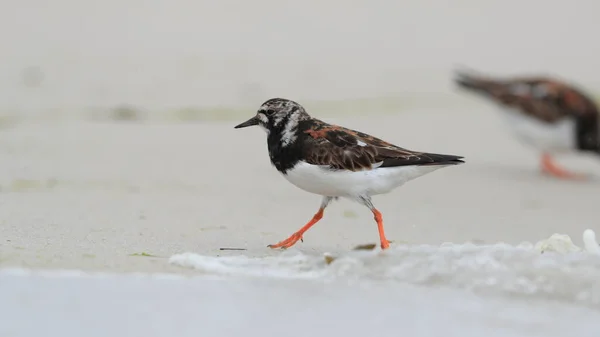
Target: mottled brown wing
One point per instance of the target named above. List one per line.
(342, 148)
(542, 98)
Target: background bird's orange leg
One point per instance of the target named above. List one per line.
(550, 167)
(287, 243)
(385, 244)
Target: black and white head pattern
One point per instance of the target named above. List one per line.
(281, 116)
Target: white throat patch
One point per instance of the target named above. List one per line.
(289, 132)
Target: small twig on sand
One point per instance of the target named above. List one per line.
(225, 248)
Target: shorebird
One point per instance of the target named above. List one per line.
(333, 161)
(544, 113)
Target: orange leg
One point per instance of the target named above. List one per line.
(287, 243)
(385, 244)
(550, 167)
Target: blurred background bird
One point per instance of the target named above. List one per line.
(548, 114)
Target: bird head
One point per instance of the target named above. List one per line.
(278, 116)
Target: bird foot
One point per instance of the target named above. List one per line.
(551, 168)
(287, 243)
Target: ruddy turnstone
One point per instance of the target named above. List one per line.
(333, 161)
(547, 114)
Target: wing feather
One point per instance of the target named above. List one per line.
(345, 149)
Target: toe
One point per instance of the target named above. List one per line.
(287, 243)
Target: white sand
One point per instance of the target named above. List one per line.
(165, 189)
(85, 195)
(78, 195)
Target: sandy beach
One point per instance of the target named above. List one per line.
(122, 177)
(86, 201)
(90, 195)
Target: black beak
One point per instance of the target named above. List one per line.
(250, 122)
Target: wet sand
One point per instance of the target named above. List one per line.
(122, 306)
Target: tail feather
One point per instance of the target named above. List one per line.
(424, 159)
(474, 82)
(444, 159)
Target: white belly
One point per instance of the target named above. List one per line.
(555, 138)
(318, 180)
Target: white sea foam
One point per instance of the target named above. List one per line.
(554, 268)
